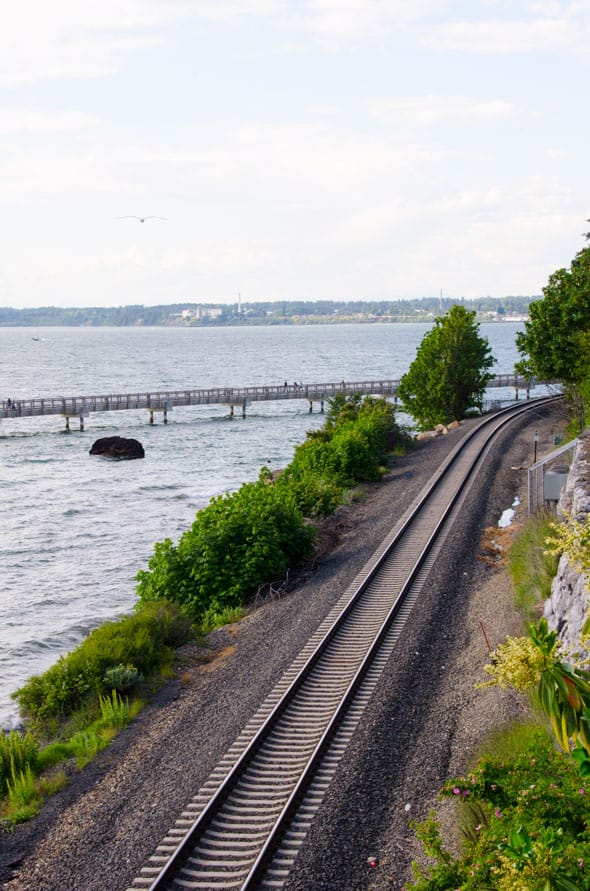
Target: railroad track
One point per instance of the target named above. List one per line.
(245, 826)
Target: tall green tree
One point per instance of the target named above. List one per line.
(554, 343)
(450, 371)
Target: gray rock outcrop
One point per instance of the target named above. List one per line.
(567, 607)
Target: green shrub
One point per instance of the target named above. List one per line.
(351, 457)
(314, 494)
(122, 677)
(350, 448)
(533, 826)
(147, 640)
(376, 420)
(236, 544)
(344, 459)
(311, 458)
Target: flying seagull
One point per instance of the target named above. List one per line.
(141, 219)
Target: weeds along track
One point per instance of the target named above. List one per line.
(245, 826)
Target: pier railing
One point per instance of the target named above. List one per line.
(165, 400)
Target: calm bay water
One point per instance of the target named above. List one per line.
(75, 529)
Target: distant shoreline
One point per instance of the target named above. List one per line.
(284, 312)
(259, 323)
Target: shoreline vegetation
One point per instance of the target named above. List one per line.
(232, 555)
(278, 312)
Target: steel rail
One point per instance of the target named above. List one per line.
(232, 835)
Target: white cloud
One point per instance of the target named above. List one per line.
(30, 120)
(62, 40)
(433, 109)
(559, 8)
(72, 39)
(541, 35)
(334, 21)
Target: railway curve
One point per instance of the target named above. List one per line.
(244, 828)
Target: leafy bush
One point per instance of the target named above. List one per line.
(238, 542)
(145, 640)
(533, 826)
(242, 540)
(315, 495)
(122, 677)
(353, 459)
(348, 450)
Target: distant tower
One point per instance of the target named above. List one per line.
(239, 302)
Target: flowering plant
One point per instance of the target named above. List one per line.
(525, 823)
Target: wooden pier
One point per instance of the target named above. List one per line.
(80, 407)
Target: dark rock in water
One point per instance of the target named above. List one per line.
(117, 447)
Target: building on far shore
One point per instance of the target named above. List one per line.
(201, 312)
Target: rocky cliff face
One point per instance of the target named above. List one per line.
(567, 607)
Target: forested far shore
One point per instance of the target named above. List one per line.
(278, 312)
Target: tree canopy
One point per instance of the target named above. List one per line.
(554, 343)
(450, 371)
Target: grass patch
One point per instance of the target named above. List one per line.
(32, 777)
(517, 736)
(531, 569)
(17, 753)
(24, 796)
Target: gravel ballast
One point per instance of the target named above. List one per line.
(423, 724)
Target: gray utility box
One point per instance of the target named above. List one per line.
(554, 481)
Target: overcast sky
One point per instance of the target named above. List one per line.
(297, 149)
